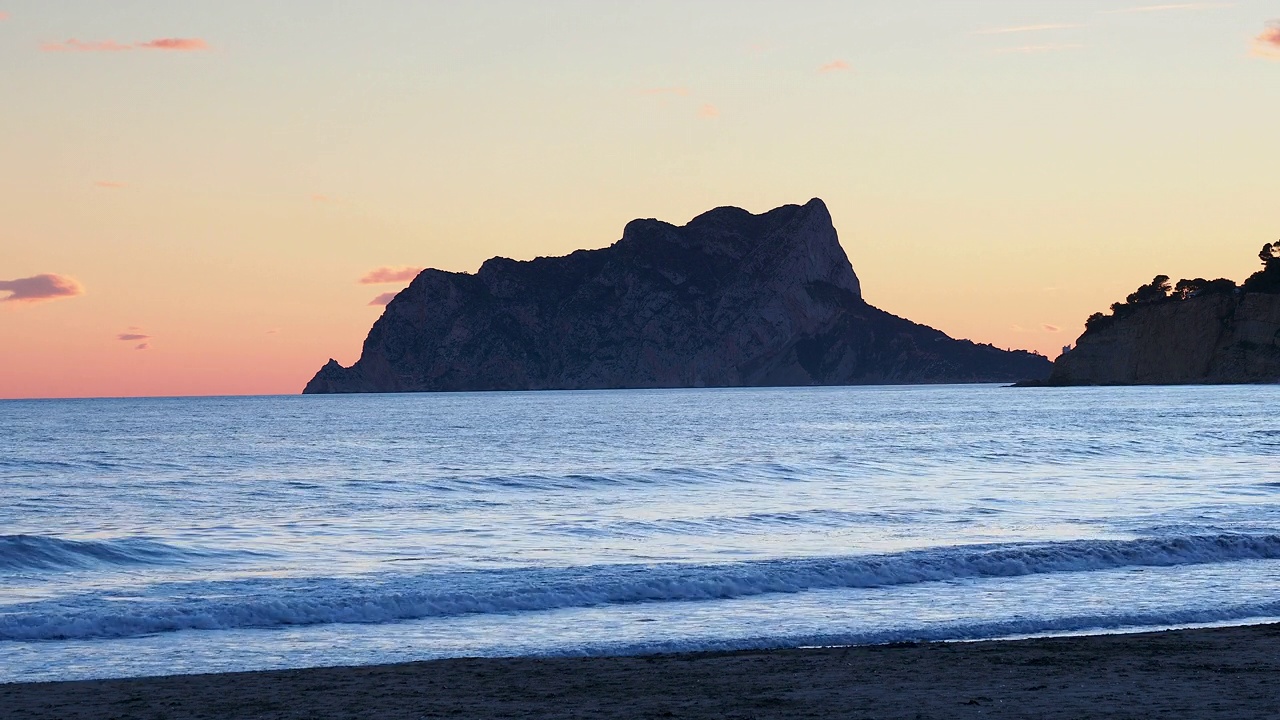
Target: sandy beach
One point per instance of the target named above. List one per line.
(1199, 673)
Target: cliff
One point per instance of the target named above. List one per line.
(730, 299)
(1219, 338)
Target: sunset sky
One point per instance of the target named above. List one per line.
(191, 193)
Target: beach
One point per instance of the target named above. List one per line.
(1196, 673)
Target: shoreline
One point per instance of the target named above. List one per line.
(1213, 672)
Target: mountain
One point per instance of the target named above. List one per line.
(730, 299)
(1210, 339)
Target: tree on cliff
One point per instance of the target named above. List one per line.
(1155, 291)
(1187, 289)
(1266, 280)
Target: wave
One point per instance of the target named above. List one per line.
(43, 552)
(266, 603)
(950, 631)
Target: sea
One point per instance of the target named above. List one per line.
(147, 537)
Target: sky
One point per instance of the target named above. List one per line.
(212, 197)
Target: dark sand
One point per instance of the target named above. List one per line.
(1204, 673)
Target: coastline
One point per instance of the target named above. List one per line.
(1219, 672)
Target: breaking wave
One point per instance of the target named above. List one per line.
(310, 601)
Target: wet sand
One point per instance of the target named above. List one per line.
(1202, 673)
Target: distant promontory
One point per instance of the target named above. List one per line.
(1194, 331)
(730, 299)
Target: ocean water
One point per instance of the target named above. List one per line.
(159, 536)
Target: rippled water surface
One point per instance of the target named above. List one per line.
(155, 536)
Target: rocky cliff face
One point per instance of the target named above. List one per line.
(731, 299)
(1226, 338)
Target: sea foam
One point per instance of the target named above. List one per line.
(265, 603)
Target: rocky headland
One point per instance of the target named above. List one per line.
(1197, 331)
(730, 299)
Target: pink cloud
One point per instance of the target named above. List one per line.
(174, 44)
(382, 275)
(1267, 44)
(383, 299)
(1050, 328)
(709, 111)
(4, 15)
(169, 44)
(142, 346)
(325, 199)
(74, 45)
(130, 336)
(834, 66)
(40, 287)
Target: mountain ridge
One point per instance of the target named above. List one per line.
(728, 299)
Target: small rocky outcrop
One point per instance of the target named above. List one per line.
(730, 299)
(1199, 331)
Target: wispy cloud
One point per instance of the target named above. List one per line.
(174, 44)
(383, 299)
(381, 275)
(325, 199)
(1025, 29)
(1050, 328)
(74, 45)
(36, 288)
(1032, 49)
(709, 112)
(3, 15)
(165, 44)
(834, 66)
(109, 184)
(1267, 44)
(133, 334)
(1172, 7)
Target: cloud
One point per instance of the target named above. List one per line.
(4, 15)
(383, 299)
(834, 66)
(709, 111)
(1050, 328)
(679, 90)
(142, 346)
(382, 275)
(174, 44)
(325, 199)
(167, 44)
(1032, 49)
(40, 287)
(1025, 29)
(109, 184)
(74, 45)
(1267, 44)
(273, 331)
(1173, 7)
(130, 336)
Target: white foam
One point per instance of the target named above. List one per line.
(310, 601)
